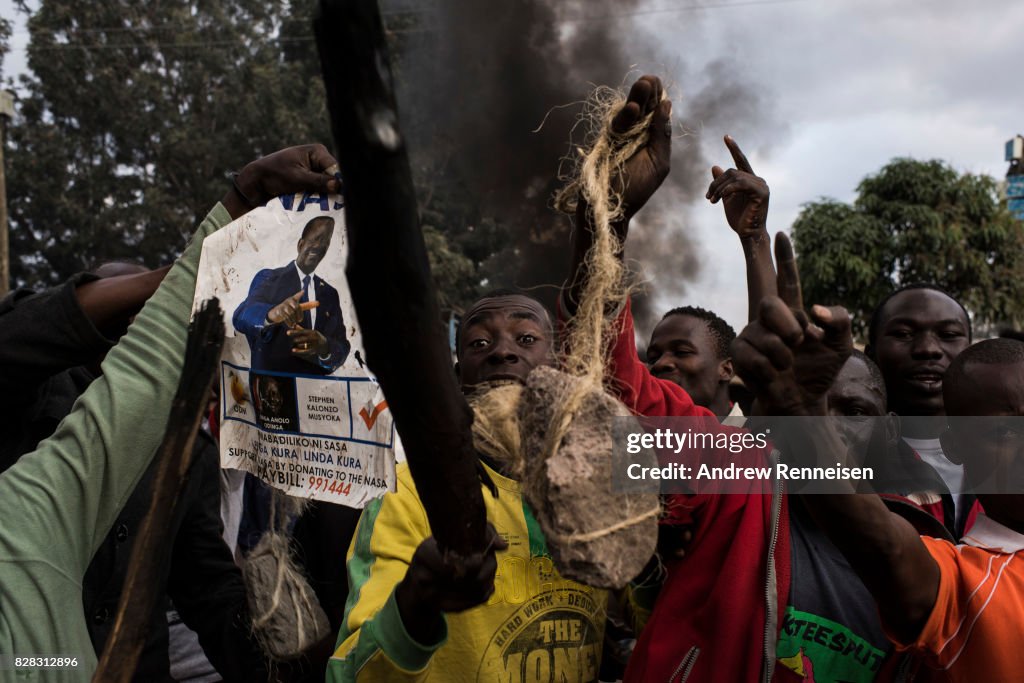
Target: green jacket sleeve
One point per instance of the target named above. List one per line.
(68, 491)
(373, 644)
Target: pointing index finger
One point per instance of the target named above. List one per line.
(738, 156)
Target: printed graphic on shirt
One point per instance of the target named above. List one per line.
(555, 636)
(556, 630)
(823, 651)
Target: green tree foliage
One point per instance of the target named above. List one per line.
(132, 115)
(5, 37)
(914, 221)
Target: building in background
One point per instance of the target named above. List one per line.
(1015, 176)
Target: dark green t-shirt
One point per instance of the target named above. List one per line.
(830, 629)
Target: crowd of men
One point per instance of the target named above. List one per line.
(762, 584)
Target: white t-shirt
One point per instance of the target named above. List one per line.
(952, 475)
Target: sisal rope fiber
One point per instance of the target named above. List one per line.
(593, 178)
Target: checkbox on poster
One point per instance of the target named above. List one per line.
(371, 411)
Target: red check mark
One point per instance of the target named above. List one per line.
(370, 418)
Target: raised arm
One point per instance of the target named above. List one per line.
(73, 324)
(789, 360)
(68, 492)
(885, 551)
(76, 323)
(110, 302)
(641, 176)
(744, 198)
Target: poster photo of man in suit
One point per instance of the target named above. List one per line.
(274, 400)
(291, 316)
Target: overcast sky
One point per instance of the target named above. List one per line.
(844, 86)
(849, 84)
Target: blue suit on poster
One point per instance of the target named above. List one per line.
(271, 347)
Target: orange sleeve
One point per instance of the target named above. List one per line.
(947, 615)
(967, 581)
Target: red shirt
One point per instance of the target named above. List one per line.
(711, 619)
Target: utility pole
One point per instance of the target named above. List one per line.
(6, 112)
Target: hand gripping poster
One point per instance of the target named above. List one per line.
(298, 408)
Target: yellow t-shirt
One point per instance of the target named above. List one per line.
(537, 626)
(974, 631)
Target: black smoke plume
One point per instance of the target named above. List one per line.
(476, 79)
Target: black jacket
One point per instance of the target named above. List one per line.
(46, 342)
